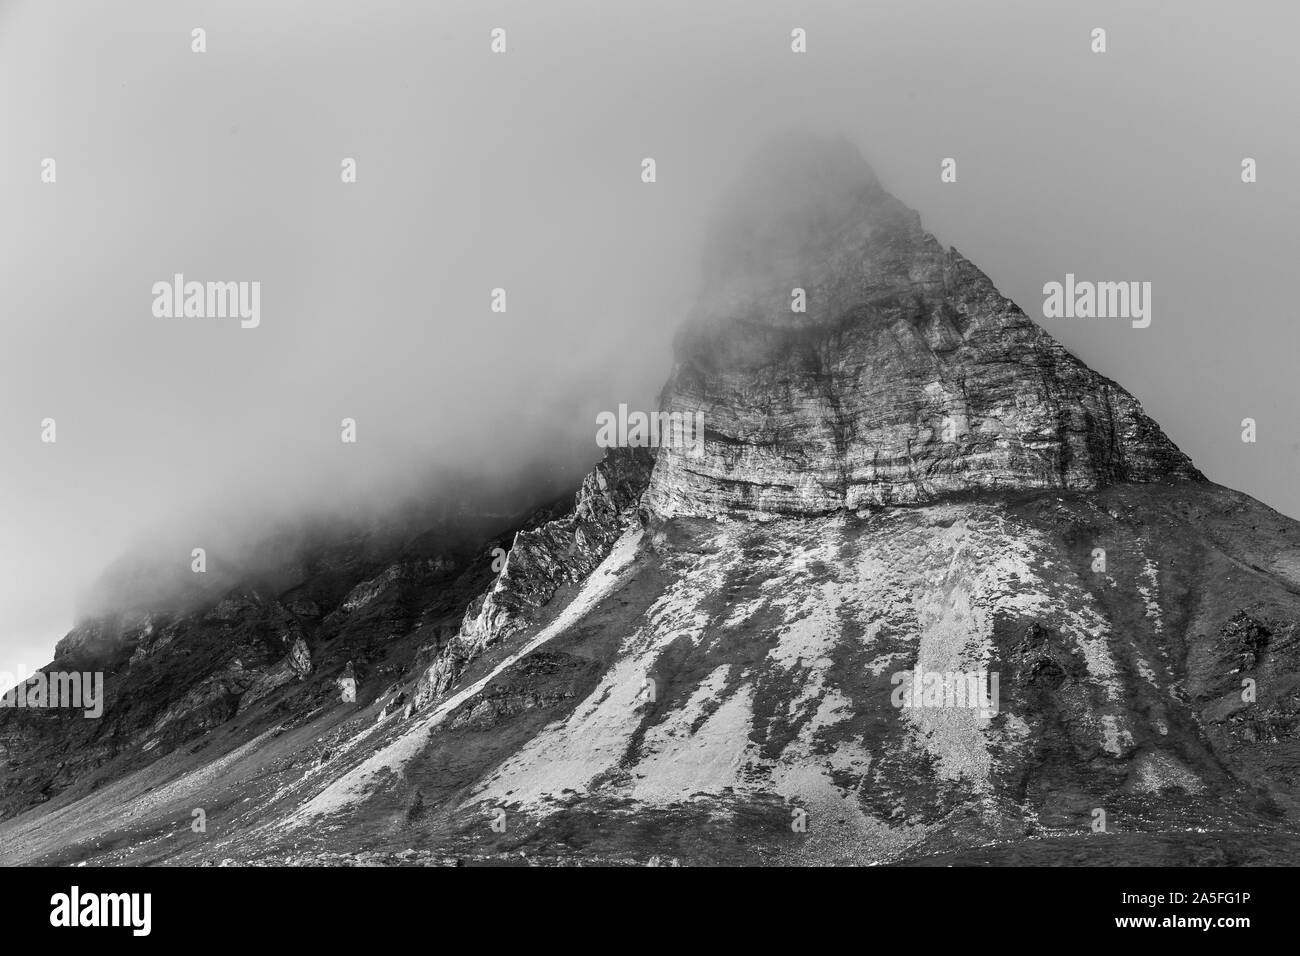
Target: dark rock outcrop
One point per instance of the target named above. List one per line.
(543, 559)
(1243, 640)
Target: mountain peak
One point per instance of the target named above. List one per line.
(799, 202)
(807, 163)
(842, 357)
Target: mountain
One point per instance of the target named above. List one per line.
(907, 377)
(934, 592)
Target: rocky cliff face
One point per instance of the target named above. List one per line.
(758, 682)
(266, 648)
(907, 377)
(542, 559)
(749, 656)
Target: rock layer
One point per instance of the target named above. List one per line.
(908, 377)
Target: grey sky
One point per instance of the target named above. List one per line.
(522, 171)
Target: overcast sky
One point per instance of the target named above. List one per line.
(522, 171)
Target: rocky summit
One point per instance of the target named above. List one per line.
(934, 593)
(905, 377)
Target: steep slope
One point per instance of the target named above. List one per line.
(908, 376)
(253, 644)
(711, 687)
(760, 681)
(243, 692)
(934, 592)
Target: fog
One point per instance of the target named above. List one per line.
(522, 171)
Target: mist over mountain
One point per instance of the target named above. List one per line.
(647, 434)
(156, 573)
(929, 590)
(478, 172)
